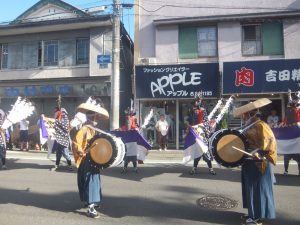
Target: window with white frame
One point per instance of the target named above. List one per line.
(252, 40)
(51, 53)
(263, 39)
(82, 51)
(197, 42)
(207, 41)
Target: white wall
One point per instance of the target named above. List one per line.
(50, 12)
(149, 36)
(54, 72)
(167, 44)
(291, 38)
(97, 38)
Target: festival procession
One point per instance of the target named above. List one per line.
(150, 112)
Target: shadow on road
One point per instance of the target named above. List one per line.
(158, 211)
(63, 202)
(118, 207)
(16, 164)
(183, 171)
(290, 180)
(226, 174)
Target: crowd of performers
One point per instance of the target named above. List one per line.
(256, 169)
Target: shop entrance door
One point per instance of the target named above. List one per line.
(167, 108)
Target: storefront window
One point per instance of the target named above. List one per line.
(167, 108)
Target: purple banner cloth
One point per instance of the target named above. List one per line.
(132, 136)
(287, 133)
(43, 128)
(190, 138)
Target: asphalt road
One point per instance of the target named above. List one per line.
(32, 194)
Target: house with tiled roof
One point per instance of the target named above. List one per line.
(55, 48)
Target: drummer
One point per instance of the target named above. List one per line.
(257, 185)
(88, 177)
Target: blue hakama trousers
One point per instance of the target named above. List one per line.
(257, 190)
(89, 183)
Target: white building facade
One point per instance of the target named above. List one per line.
(257, 35)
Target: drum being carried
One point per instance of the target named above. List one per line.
(106, 151)
(222, 143)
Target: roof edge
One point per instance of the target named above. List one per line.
(42, 3)
(232, 17)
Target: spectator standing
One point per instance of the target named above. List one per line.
(162, 128)
(273, 119)
(24, 125)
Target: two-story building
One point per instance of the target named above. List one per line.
(247, 48)
(55, 48)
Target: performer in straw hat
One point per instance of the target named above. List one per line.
(88, 177)
(257, 185)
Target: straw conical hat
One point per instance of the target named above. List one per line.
(85, 107)
(251, 106)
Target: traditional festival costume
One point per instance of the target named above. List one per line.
(62, 138)
(257, 183)
(88, 176)
(131, 147)
(200, 117)
(292, 117)
(135, 144)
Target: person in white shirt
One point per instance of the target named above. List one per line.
(273, 119)
(162, 128)
(24, 124)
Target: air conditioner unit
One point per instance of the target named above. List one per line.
(147, 61)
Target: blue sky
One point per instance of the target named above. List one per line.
(13, 8)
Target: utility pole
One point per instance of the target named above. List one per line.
(115, 80)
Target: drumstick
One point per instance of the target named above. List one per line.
(240, 150)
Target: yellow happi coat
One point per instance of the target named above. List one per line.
(80, 142)
(261, 136)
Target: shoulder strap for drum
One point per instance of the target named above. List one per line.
(99, 130)
(242, 130)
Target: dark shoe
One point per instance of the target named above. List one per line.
(193, 171)
(70, 168)
(245, 217)
(211, 171)
(92, 213)
(250, 221)
(124, 170)
(55, 168)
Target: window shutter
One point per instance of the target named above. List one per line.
(188, 44)
(272, 38)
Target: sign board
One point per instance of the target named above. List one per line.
(177, 81)
(267, 76)
(103, 59)
(53, 90)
